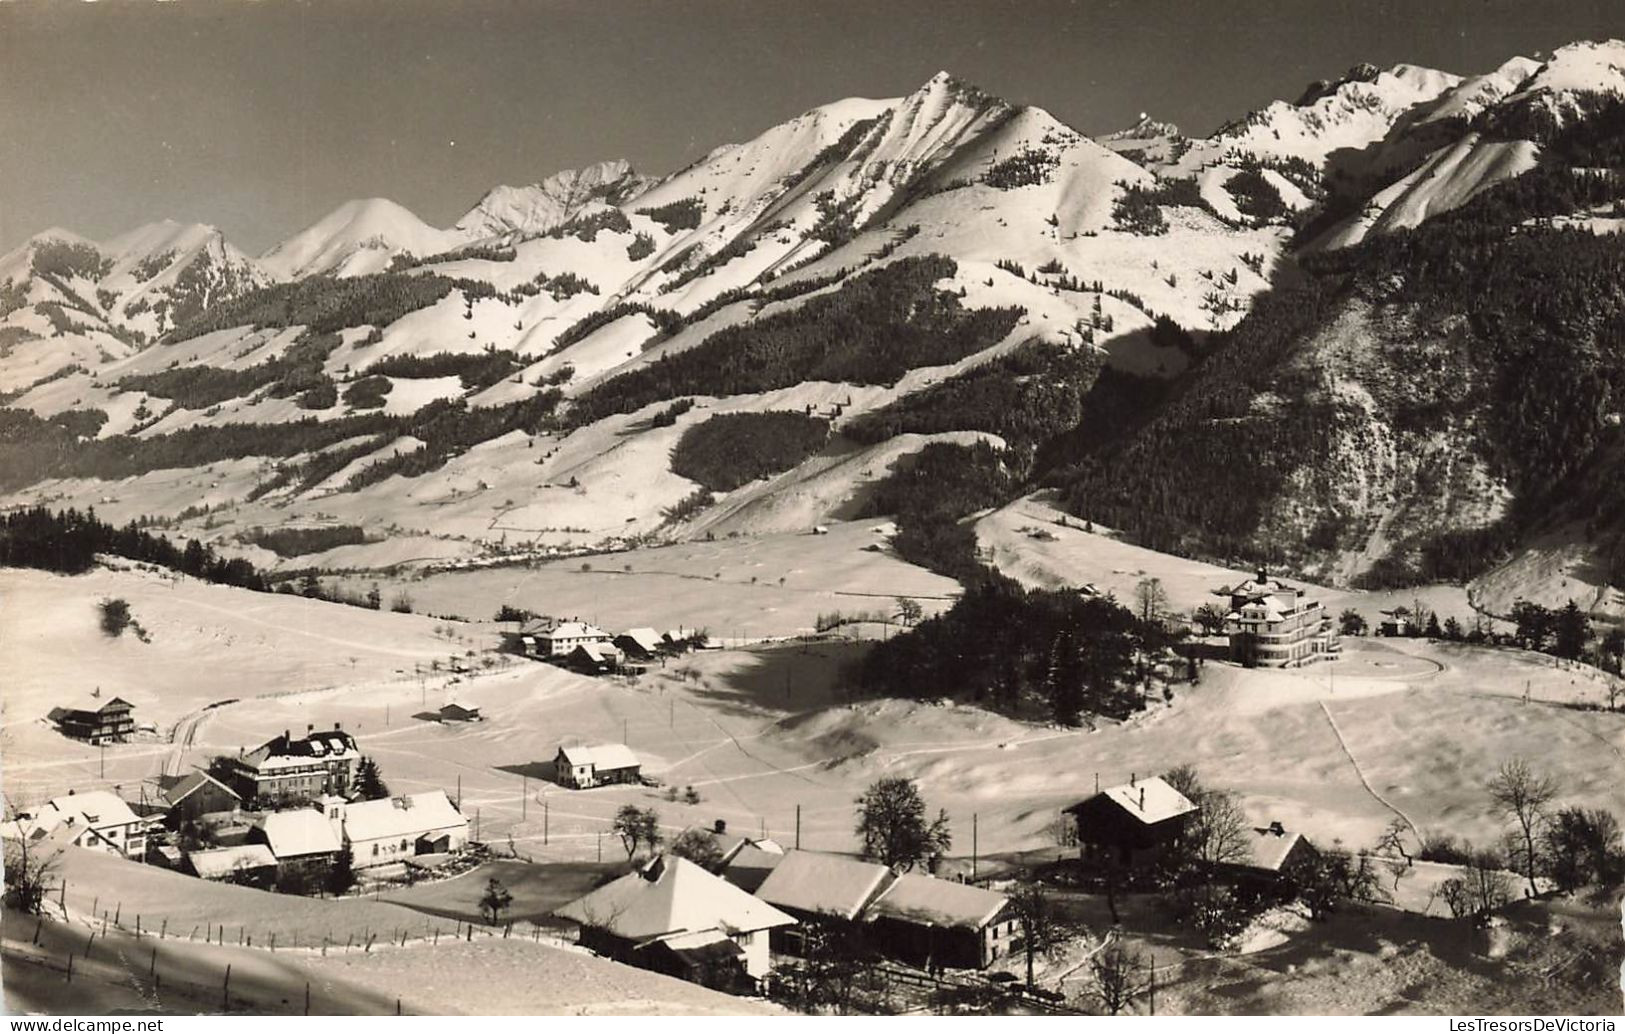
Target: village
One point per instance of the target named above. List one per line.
(632, 796)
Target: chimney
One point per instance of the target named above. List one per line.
(720, 826)
(1142, 798)
(286, 735)
(1278, 829)
(1133, 778)
(337, 727)
(309, 728)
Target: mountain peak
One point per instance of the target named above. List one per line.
(375, 224)
(540, 207)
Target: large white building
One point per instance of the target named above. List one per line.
(394, 829)
(1273, 624)
(99, 820)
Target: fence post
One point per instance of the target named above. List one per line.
(163, 931)
(152, 967)
(307, 998)
(225, 991)
(64, 899)
(118, 910)
(88, 942)
(138, 926)
(37, 924)
(70, 969)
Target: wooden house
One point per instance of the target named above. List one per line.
(1133, 825)
(455, 712)
(305, 845)
(603, 764)
(926, 921)
(1272, 852)
(640, 644)
(195, 796)
(96, 719)
(674, 917)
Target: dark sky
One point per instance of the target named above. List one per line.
(260, 118)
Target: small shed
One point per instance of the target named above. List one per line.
(196, 795)
(593, 658)
(252, 865)
(304, 843)
(602, 764)
(1272, 851)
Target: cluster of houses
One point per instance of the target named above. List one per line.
(589, 649)
(303, 821)
(1272, 624)
(720, 925)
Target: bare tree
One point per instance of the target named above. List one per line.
(30, 876)
(1151, 600)
(1040, 928)
(1524, 796)
(1120, 977)
(1480, 889)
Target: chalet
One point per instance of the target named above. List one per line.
(674, 917)
(926, 921)
(196, 795)
(1133, 825)
(603, 764)
(322, 762)
(562, 639)
(640, 644)
(251, 865)
(593, 658)
(1273, 624)
(455, 712)
(394, 829)
(305, 845)
(99, 820)
(817, 887)
(95, 719)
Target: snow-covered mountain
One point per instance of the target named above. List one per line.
(357, 237)
(540, 207)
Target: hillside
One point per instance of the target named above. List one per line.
(1210, 342)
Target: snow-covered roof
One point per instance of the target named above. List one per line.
(407, 816)
(303, 831)
(1150, 800)
(223, 861)
(97, 808)
(284, 750)
(189, 784)
(605, 757)
(93, 704)
(576, 630)
(672, 895)
(599, 652)
(826, 884)
(750, 866)
(919, 898)
(1270, 846)
(647, 638)
(453, 707)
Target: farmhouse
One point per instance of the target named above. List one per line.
(304, 843)
(195, 795)
(925, 921)
(829, 888)
(394, 829)
(95, 719)
(285, 768)
(1271, 623)
(1131, 825)
(674, 917)
(604, 764)
(249, 864)
(455, 712)
(640, 644)
(594, 658)
(562, 639)
(99, 820)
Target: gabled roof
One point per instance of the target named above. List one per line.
(405, 816)
(604, 757)
(223, 861)
(97, 808)
(576, 630)
(452, 707)
(299, 832)
(1269, 847)
(668, 896)
(824, 884)
(190, 783)
(927, 901)
(598, 652)
(1148, 800)
(537, 626)
(647, 639)
(750, 866)
(94, 704)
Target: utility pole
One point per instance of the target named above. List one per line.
(600, 846)
(524, 798)
(459, 791)
(624, 736)
(544, 821)
(973, 845)
(798, 827)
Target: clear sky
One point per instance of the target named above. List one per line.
(261, 117)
